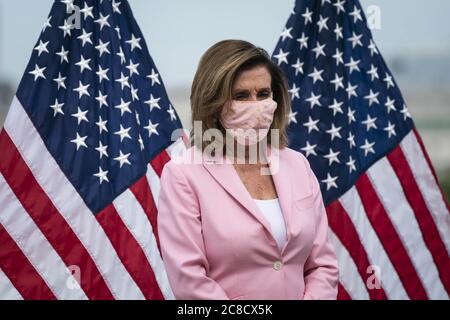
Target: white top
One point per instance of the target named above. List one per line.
(272, 212)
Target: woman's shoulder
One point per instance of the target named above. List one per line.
(294, 157)
(300, 167)
(183, 161)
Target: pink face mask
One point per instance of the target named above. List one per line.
(248, 121)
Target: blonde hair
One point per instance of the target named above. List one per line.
(213, 83)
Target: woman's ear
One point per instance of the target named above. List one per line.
(226, 108)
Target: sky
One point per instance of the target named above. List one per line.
(178, 32)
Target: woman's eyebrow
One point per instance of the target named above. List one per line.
(240, 91)
(246, 90)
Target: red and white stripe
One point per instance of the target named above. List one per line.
(397, 219)
(7, 289)
(46, 228)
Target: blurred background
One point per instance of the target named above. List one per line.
(414, 38)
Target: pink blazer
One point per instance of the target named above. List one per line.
(216, 244)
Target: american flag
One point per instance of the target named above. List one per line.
(389, 221)
(82, 149)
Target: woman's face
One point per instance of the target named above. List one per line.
(252, 85)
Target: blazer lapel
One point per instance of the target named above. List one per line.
(225, 174)
(281, 175)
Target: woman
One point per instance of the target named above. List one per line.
(226, 230)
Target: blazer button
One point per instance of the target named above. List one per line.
(277, 265)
